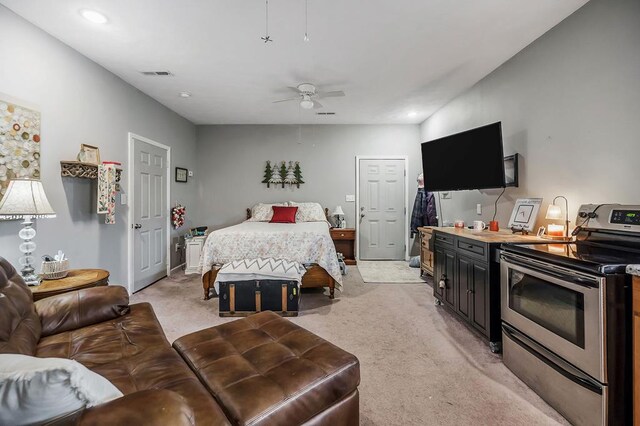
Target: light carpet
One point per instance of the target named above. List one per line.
(419, 364)
(388, 272)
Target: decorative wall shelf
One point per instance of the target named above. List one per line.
(81, 170)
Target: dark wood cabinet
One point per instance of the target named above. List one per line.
(345, 242)
(467, 277)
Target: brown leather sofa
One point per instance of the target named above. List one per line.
(260, 370)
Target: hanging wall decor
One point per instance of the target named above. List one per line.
(177, 215)
(19, 142)
(283, 174)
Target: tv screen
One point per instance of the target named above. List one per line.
(467, 160)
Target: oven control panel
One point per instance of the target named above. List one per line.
(625, 217)
(615, 217)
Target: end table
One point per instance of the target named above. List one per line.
(75, 280)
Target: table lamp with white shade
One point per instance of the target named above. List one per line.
(25, 199)
(338, 213)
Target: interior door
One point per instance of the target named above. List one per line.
(382, 204)
(150, 215)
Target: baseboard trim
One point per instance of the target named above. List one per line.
(176, 268)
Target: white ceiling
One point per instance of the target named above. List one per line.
(391, 57)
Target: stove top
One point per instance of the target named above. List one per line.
(580, 255)
(607, 240)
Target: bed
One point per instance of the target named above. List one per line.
(307, 242)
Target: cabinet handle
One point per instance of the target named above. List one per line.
(443, 282)
(469, 246)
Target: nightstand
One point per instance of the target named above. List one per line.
(193, 248)
(345, 242)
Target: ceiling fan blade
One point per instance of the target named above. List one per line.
(334, 94)
(317, 105)
(287, 100)
(295, 89)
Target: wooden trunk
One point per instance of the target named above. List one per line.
(243, 298)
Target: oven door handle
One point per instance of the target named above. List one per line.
(550, 270)
(559, 365)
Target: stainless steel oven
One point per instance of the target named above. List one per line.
(559, 308)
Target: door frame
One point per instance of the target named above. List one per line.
(131, 203)
(405, 158)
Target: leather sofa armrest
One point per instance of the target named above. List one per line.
(147, 407)
(80, 308)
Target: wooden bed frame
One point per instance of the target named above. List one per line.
(315, 276)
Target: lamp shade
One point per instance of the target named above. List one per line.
(554, 212)
(338, 211)
(25, 197)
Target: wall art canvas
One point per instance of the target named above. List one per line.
(19, 142)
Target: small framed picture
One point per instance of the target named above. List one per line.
(89, 154)
(541, 231)
(181, 174)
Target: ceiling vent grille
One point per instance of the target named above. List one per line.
(325, 113)
(157, 73)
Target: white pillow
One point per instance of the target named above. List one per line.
(263, 212)
(309, 212)
(33, 389)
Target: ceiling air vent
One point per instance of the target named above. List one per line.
(325, 113)
(157, 73)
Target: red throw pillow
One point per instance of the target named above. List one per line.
(284, 214)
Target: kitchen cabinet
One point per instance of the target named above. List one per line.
(467, 277)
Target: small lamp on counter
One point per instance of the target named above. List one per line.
(25, 199)
(554, 212)
(338, 213)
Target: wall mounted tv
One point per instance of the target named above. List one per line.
(466, 160)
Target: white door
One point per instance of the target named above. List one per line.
(382, 215)
(149, 214)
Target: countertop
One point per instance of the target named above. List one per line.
(502, 236)
(633, 270)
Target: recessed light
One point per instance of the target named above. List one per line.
(93, 16)
(185, 94)
(412, 114)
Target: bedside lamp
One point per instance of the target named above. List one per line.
(555, 212)
(25, 199)
(338, 213)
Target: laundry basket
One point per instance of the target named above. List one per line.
(55, 270)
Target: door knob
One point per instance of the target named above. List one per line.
(137, 226)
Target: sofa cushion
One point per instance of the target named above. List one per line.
(266, 370)
(34, 389)
(132, 352)
(19, 323)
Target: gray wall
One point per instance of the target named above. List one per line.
(81, 102)
(570, 105)
(231, 162)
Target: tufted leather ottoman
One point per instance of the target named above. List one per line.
(266, 370)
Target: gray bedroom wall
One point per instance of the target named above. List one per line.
(569, 105)
(231, 163)
(81, 102)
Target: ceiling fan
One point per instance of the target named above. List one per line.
(307, 95)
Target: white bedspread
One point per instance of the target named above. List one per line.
(305, 242)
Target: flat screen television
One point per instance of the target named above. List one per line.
(468, 160)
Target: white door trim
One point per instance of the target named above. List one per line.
(131, 204)
(406, 198)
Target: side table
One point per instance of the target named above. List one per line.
(75, 280)
(345, 242)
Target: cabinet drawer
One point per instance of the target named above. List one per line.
(343, 234)
(444, 239)
(470, 247)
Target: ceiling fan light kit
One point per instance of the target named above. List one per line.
(308, 95)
